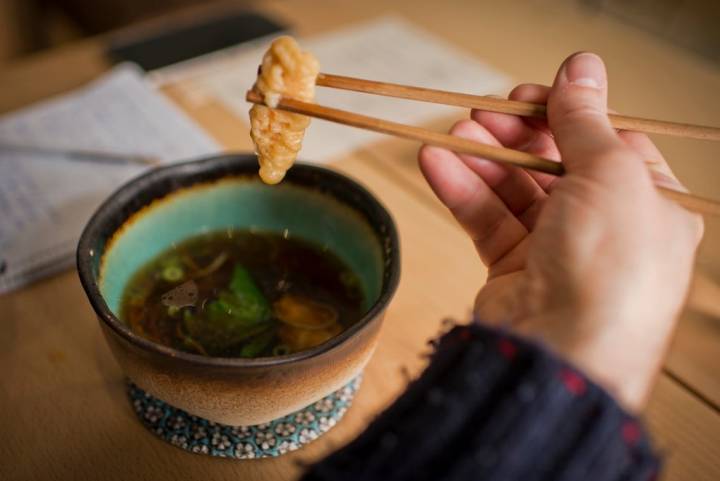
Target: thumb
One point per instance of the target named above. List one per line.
(577, 114)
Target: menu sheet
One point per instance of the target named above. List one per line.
(47, 196)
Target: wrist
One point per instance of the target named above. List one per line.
(623, 362)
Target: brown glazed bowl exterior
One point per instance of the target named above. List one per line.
(236, 391)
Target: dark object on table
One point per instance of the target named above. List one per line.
(163, 47)
(95, 17)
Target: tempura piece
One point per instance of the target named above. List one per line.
(286, 71)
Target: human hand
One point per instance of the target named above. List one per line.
(595, 264)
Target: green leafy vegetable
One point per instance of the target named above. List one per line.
(242, 303)
(258, 344)
(239, 313)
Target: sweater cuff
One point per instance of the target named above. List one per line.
(492, 405)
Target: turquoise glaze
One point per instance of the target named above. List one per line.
(242, 203)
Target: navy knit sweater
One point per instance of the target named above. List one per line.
(492, 406)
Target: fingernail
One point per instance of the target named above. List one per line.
(586, 70)
(661, 179)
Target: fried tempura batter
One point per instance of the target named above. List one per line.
(286, 71)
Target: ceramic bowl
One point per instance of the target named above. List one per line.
(167, 205)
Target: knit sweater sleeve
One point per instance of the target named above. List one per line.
(492, 406)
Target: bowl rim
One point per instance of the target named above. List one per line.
(237, 165)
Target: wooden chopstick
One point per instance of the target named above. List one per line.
(460, 145)
(514, 107)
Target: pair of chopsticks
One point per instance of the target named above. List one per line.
(465, 146)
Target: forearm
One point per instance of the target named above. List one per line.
(492, 406)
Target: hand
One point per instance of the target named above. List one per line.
(595, 264)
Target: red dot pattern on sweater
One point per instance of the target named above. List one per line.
(573, 382)
(507, 348)
(630, 432)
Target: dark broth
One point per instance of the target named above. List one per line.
(242, 294)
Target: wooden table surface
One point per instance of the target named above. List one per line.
(62, 407)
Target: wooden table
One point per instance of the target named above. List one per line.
(63, 411)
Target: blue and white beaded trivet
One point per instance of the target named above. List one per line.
(275, 438)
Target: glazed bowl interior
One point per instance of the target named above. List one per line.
(242, 203)
(169, 205)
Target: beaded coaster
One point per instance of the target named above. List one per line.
(275, 438)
